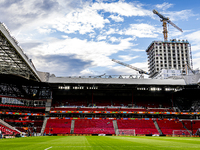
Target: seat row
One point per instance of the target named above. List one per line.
(99, 126)
(110, 109)
(7, 131)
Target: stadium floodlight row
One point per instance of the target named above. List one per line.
(35, 103)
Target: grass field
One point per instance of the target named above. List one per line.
(99, 143)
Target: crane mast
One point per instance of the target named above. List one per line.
(165, 20)
(130, 66)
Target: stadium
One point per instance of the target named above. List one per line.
(99, 109)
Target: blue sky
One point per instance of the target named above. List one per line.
(80, 37)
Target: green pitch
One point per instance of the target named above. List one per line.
(100, 143)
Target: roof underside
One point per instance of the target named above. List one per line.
(12, 58)
(116, 81)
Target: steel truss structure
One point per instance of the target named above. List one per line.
(12, 58)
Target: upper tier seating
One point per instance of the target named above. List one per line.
(83, 126)
(160, 110)
(132, 109)
(21, 123)
(140, 126)
(110, 101)
(21, 106)
(64, 109)
(110, 109)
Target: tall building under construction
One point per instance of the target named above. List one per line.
(168, 55)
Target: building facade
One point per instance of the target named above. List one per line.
(173, 54)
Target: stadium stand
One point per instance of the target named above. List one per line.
(167, 126)
(140, 126)
(58, 126)
(97, 126)
(8, 131)
(192, 125)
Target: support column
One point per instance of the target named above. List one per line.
(132, 98)
(92, 99)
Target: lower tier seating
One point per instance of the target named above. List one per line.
(104, 126)
(83, 126)
(192, 125)
(140, 126)
(168, 126)
(58, 126)
(7, 131)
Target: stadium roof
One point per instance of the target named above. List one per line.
(12, 58)
(116, 81)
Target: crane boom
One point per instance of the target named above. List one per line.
(174, 25)
(130, 66)
(165, 20)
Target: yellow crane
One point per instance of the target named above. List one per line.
(165, 20)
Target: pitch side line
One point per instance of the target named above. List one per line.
(48, 148)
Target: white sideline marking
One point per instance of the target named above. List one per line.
(48, 148)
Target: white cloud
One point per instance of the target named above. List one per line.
(137, 50)
(179, 15)
(96, 52)
(82, 20)
(112, 31)
(196, 63)
(88, 72)
(164, 6)
(195, 36)
(127, 57)
(141, 30)
(137, 30)
(45, 30)
(30, 15)
(116, 18)
(122, 8)
(114, 39)
(197, 54)
(194, 39)
(100, 37)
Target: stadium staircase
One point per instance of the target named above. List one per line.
(168, 126)
(44, 125)
(157, 127)
(176, 109)
(192, 125)
(115, 127)
(185, 127)
(72, 127)
(9, 126)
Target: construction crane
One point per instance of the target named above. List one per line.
(165, 20)
(132, 67)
